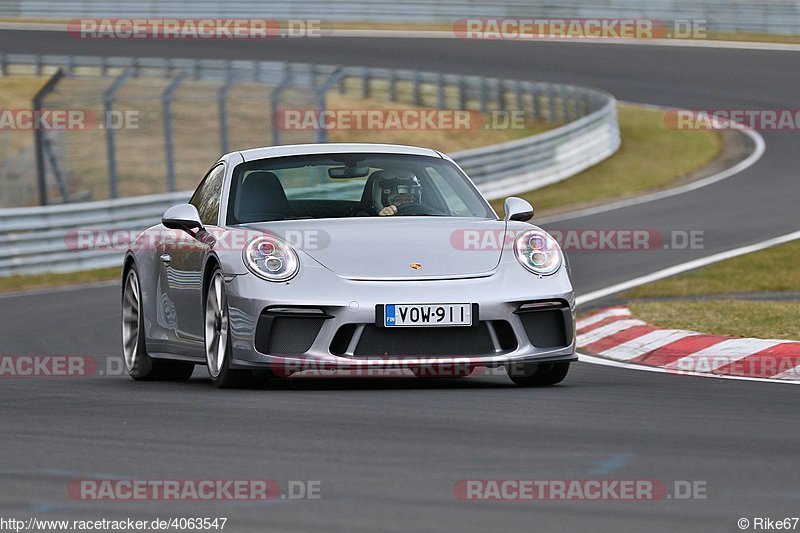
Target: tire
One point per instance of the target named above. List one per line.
(537, 374)
(217, 339)
(139, 365)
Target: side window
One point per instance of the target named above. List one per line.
(207, 196)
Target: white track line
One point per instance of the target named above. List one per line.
(760, 148)
(685, 267)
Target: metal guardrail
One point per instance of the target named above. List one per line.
(770, 16)
(38, 239)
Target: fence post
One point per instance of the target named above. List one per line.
(47, 146)
(392, 86)
(38, 134)
(169, 149)
(462, 93)
(108, 97)
(483, 97)
(333, 79)
(275, 98)
(365, 83)
(417, 95)
(501, 95)
(440, 92)
(222, 105)
(313, 75)
(536, 104)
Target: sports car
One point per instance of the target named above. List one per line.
(343, 257)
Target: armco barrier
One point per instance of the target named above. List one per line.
(32, 240)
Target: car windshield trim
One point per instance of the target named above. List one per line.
(305, 187)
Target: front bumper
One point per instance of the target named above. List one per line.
(322, 320)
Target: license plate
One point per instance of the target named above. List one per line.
(416, 315)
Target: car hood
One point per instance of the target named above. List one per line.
(396, 247)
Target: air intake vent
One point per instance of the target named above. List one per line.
(288, 331)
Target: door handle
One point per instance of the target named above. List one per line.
(166, 258)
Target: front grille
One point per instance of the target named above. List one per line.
(429, 342)
(546, 328)
(287, 334)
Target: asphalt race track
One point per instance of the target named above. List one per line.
(388, 451)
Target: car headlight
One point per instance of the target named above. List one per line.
(271, 259)
(538, 252)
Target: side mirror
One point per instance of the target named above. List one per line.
(183, 216)
(517, 209)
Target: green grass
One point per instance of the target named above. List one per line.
(47, 281)
(745, 318)
(773, 269)
(651, 157)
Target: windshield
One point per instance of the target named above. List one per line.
(351, 185)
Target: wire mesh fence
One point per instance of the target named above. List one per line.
(156, 131)
(154, 125)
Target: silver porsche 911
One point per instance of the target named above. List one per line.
(342, 257)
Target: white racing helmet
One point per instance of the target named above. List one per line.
(388, 186)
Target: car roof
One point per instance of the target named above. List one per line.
(335, 148)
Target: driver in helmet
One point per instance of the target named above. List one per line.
(394, 190)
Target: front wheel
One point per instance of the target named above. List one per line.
(139, 365)
(217, 337)
(537, 374)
